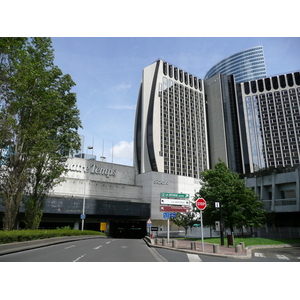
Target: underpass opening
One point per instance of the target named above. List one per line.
(127, 229)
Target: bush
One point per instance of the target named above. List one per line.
(29, 235)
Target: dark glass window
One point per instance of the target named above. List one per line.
(247, 88)
(290, 79)
(180, 76)
(165, 68)
(186, 78)
(275, 82)
(191, 80)
(282, 81)
(253, 86)
(176, 73)
(268, 84)
(260, 85)
(200, 84)
(195, 82)
(297, 78)
(171, 71)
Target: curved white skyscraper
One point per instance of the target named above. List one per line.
(245, 65)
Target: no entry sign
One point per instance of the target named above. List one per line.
(201, 203)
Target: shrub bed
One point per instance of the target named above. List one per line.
(29, 235)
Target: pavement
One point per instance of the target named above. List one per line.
(237, 251)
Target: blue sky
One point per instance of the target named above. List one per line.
(107, 72)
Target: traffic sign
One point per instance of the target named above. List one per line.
(82, 217)
(174, 202)
(166, 215)
(174, 208)
(173, 215)
(175, 195)
(201, 203)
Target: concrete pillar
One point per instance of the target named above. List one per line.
(238, 249)
(193, 246)
(216, 248)
(174, 243)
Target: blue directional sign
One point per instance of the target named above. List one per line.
(166, 215)
(82, 217)
(172, 215)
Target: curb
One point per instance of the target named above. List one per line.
(248, 254)
(28, 245)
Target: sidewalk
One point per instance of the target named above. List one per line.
(237, 251)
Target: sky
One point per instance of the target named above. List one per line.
(108, 72)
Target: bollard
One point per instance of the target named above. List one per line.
(174, 243)
(156, 241)
(243, 245)
(193, 246)
(163, 241)
(216, 248)
(238, 249)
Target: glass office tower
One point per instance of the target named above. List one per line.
(245, 65)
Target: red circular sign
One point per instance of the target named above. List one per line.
(201, 203)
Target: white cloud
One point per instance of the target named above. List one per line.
(123, 153)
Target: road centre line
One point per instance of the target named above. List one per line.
(70, 247)
(96, 248)
(79, 258)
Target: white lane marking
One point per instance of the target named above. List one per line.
(298, 257)
(107, 242)
(79, 258)
(123, 247)
(70, 247)
(193, 258)
(96, 248)
(257, 254)
(282, 257)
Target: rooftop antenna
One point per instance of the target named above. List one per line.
(103, 157)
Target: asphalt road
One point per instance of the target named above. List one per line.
(91, 250)
(135, 250)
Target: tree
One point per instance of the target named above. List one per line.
(240, 205)
(40, 121)
(185, 220)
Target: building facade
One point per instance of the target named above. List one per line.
(170, 126)
(245, 65)
(272, 121)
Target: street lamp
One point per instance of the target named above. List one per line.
(83, 204)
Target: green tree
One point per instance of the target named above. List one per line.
(185, 220)
(40, 121)
(240, 205)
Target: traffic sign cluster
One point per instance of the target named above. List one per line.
(174, 202)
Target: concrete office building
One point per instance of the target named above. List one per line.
(245, 65)
(272, 121)
(170, 139)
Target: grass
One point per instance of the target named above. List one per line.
(249, 241)
(29, 235)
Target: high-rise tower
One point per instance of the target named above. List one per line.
(170, 126)
(245, 65)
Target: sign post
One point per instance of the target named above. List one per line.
(201, 204)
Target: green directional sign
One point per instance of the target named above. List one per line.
(174, 195)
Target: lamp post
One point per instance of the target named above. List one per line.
(84, 187)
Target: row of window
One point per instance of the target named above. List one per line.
(182, 76)
(276, 82)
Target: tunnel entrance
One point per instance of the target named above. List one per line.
(127, 229)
